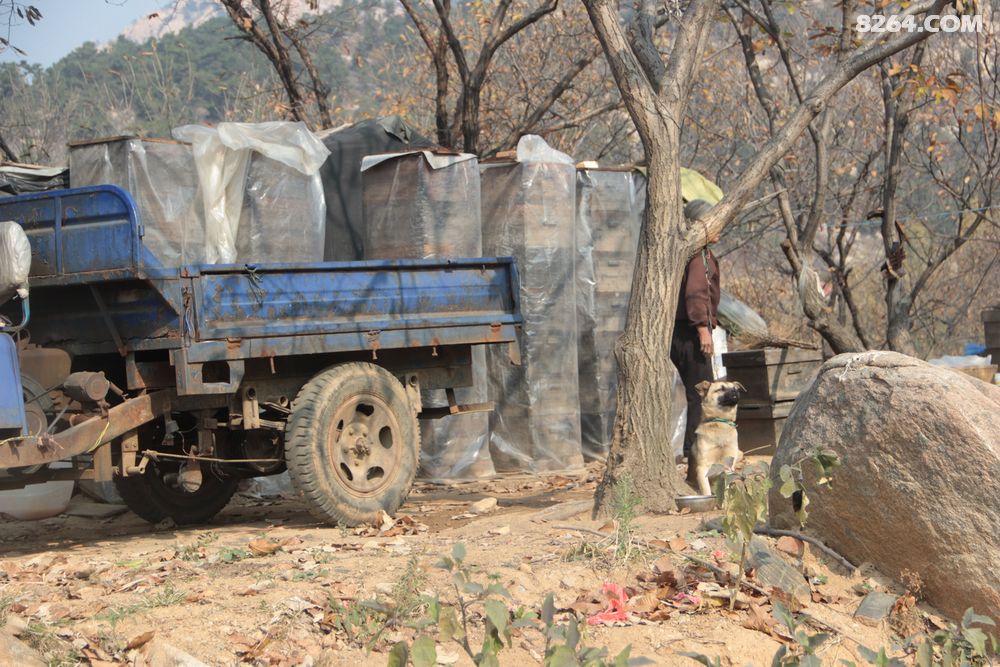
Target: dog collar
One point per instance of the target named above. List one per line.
(720, 420)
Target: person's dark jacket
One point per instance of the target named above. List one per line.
(699, 300)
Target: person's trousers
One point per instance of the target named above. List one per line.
(694, 367)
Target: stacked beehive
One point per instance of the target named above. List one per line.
(773, 378)
(529, 213)
(991, 332)
(610, 204)
(420, 205)
(284, 214)
(161, 177)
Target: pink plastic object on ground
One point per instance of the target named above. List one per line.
(617, 597)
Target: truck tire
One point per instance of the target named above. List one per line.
(154, 498)
(352, 444)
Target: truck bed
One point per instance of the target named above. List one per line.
(95, 288)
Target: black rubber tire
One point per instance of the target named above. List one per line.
(153, 500)
(135, 493)
(149, 497)
(310, 452)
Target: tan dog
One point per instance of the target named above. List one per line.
(716, 441)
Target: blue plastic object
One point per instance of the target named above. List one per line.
(12, 418)
(974, 348)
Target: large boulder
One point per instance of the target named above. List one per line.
(919, 488)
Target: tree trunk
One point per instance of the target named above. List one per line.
(643, 351)
(440, 58)
(470, 118)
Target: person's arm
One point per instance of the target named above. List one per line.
(698, 303)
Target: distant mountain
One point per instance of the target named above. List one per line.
(176, 15)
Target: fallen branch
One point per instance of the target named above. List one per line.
(581, 529)
(719, 571)
(777, 532)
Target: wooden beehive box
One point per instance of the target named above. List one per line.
(760, 426)
(991, 332)
(772, 375)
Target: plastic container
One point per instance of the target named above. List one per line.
(37, 501)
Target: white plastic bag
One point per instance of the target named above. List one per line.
(222, 158)
(15, 261)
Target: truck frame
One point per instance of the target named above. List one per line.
(176, 383)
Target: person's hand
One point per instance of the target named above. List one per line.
(705, 340)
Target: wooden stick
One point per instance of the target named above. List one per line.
(777, 532)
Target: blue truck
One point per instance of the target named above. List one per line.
(177, 383)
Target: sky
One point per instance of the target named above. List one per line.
(66, 24)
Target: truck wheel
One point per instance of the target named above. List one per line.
(159, 493)
(352, 444)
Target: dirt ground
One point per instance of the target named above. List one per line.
(93, 591)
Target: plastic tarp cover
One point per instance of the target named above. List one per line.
(260, 190)
(160, 177)
(341, 177)
(19, 180)
(423, 205)
(15, 261)
(610, 205)
(529, 213)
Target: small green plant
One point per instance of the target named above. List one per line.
(233, 554)
(56, 651)
(624, 504)
(959, 644)
(164, 597)
(824, 462)
(490, 600)
(742, 495)
(195, 550)
(743, 498)
(365, 622)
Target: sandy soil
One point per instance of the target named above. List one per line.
(91, 588)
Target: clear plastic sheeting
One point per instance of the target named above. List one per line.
(610, 205)
(421, 205)
(678, 413)
(260, 191)
(341, 176)
(159, 175)
(15, 261)
(738, 318)
(425, 205)
(529, 212)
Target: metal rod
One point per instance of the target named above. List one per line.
(153, 454)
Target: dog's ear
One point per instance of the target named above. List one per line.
(739, 385)
(702, 387)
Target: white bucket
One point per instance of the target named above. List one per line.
(37, 501)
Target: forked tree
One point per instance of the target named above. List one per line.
(655, 81)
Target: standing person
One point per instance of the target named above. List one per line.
(697, 315)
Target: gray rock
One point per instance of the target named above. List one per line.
(919, 488)
(774, 572)
(874, 608)
(15, 652)
(159, 653)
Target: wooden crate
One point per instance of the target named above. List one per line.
(991, 332)
(759, 426)
(772, 375)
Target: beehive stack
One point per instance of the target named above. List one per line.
(413, 210)
(161, 177)
(529, 213)
(991, 332)
(610, 204)
(284, 214)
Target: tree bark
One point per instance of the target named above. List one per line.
(656, 102)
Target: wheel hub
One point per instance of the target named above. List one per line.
(364, 443)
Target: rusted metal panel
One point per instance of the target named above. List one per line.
(87, 436)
